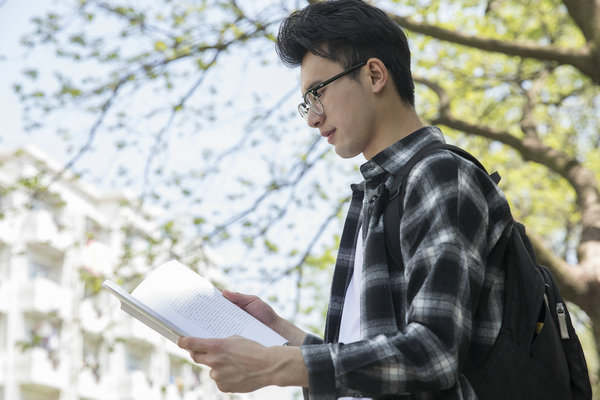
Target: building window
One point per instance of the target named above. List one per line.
(137, 358)
(91, 356)
(176, 374)
(4, 277)
(33, 394)
(95, 231)
(4, 262)
(44, 262)
(2, 335)
(44, 334)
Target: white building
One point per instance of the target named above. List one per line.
(61, 336)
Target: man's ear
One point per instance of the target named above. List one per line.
(378, 74)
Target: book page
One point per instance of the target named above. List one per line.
(202, 309)
(197, 308)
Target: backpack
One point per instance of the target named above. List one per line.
(537, 354)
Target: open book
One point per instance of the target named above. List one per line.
(175, 301)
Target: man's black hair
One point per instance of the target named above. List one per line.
(348, 32)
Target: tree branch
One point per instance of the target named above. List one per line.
(586, 14)
(93, 130)
(307, 252)
(569, 278)
(528, 123)
(303, 166)
(158, 141)
(582, 59)
(530, 148)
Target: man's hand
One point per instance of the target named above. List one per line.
(240, 365)
(254, 306)
(265, 314)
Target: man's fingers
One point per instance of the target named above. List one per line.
(231, 296)
(200, 358)
(184, 342)
(239, 299)
(197, 345)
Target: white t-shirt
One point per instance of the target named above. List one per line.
(350, 323)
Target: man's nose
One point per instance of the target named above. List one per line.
(313, 119)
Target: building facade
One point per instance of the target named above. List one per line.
(61, 336)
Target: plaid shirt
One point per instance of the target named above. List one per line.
(421, 322)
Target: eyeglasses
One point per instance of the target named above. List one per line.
(311, 97)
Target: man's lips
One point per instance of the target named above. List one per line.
(328, 134)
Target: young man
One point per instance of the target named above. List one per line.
(392, 331)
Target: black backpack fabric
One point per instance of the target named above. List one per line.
(537, 354)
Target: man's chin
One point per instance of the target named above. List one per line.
(346, 154)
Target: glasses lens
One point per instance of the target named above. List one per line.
(314, 103)
(303, 110)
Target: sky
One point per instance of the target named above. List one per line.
(14, 16)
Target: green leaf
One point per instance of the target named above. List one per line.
(159, 45)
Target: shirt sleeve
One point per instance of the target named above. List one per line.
(453, 215)
(311, 339)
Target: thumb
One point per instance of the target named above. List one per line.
(239, 299)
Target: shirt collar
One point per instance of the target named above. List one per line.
(392, 158)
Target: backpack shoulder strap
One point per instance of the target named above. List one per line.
(398, 187)
(395, 204)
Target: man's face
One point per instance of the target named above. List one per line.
(347, 120)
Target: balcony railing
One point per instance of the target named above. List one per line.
(132, 329)
(4, 289)
(90, 385)
(135, 385)
(42, 295)
(40, 227)
(37, 366)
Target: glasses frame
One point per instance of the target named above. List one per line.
(306, 106)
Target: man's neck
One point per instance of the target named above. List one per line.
(395, 122)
